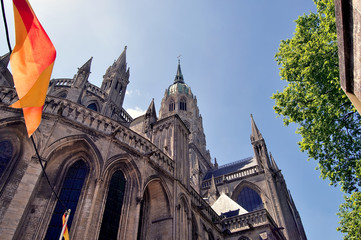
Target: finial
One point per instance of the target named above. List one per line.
(179, 57)
(125, 48)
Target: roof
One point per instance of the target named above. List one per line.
(225, 204)
(230, 167)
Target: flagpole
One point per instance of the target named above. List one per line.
(64, 224)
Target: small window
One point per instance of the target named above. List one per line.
(120, 90)
(62, 95)
(171, 106)
(116, 86)
(93, 107)
(6, 153)
(183, 105)
(249, 199)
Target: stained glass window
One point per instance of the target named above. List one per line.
(113, 207)
(249, 199)
(6, 153)
(69, 195)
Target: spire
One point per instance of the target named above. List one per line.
(150, 117)
(122, 60)
(83, 74)
(179, 76)
(256, 135)
(213, 188)
(151, 113)
(273, 162)
(4, 61)
(86, 67)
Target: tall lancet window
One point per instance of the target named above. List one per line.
(183, 104)
(249, 199)
(171, 106)
(113, 207)
(69, 195)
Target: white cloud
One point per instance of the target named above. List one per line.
(135, 112)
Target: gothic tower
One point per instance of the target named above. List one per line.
(115, 82)
(178, 99)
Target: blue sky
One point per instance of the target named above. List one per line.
(227, 50)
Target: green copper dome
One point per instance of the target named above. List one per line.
(179, 86)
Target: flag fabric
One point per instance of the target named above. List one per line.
(32, 62)
(65, 230)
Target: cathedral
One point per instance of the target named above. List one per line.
(122, 178)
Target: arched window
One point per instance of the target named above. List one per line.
(249, 199)
(6, 153)
(62, 95)
(120, 90)
(69, 195)
(183, 104)
(171, 106)
(113, 207)
(93, 107)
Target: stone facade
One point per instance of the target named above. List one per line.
(143, 178)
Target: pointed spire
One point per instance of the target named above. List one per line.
(273, 162)
(256, 135)
(151, 113)
(179, 75)
(83, 74)
(86, 66)
(4, 61)
(213, 188)
(150, 117)
(122, 59)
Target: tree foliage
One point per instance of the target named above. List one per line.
(328, 123)
(313, 99)
(350, 214)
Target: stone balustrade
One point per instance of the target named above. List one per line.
(198, 201)
(79, 114)
(231, 176)
(248, 220)
(62, 82)
(95, 90)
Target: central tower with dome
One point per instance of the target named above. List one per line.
(179, 99)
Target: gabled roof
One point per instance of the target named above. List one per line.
(230, 167)
(225, 204)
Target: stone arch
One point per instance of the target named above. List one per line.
(59, 157)
(127, 166)
(155, 212)
(11, 138)
(253, 187)
(75, 145)
(183, 217)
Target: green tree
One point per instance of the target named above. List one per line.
(313, 99)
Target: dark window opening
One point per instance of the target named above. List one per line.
(93, 107)
(69, 195)
(113, 207)
(120, 90)
(63, 95)
(183, 105)
(249, 199)
(6, 153)
(171, 106)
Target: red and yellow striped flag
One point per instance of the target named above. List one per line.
(31, 62)
(65, 233)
